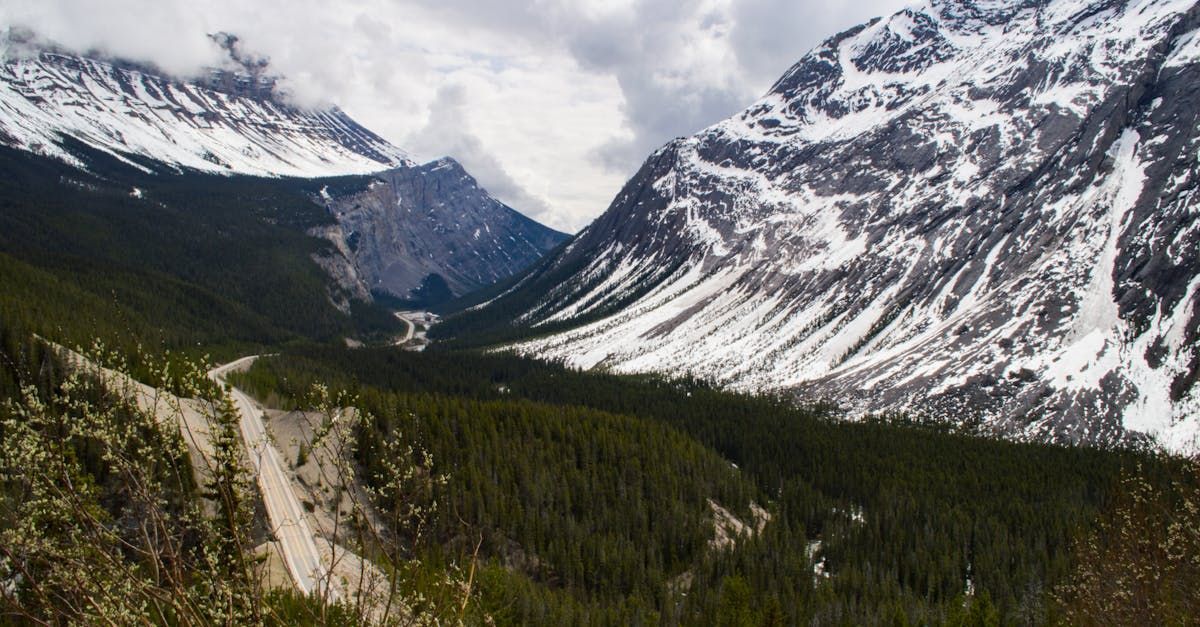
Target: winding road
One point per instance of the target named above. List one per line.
(412, 328)
(287, 519)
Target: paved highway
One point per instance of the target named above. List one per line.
(286, 516)
(412, 328)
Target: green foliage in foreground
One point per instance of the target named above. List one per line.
(110, 514)
(101, 520)
(910, 526)
(1141, 564)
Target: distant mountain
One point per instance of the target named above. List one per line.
(433, 223)
(983, 213)
(231, 121)
(403, 227)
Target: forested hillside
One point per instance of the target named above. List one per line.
(562, 473)
(591, 498)
(166, 260)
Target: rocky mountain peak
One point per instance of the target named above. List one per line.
(403, 223)
(415, 222)
(243, 74)
(976, 212)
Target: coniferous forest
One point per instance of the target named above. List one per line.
(868, 523)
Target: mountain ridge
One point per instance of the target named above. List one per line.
(230, 122)
(911, 219)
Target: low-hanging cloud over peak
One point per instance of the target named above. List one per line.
(550, 104)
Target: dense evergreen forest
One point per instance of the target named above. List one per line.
(590, 491)
(185, 261)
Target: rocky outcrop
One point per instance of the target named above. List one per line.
(405, 226)
(433, 220)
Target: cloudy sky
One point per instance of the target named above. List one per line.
(551, 104)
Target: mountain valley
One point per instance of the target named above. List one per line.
(913, 339)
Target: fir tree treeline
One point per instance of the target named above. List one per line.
(587, 493)
(607, 508)
(909, 525)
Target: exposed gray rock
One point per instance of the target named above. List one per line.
(338, 264)
(433, 219)
(981, 212)
(414, 222)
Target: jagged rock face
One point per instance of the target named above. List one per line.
(228, 121)
(976, 211)
(434, 219)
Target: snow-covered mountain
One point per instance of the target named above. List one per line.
(230, 121)
(979, 211)
(408, 225)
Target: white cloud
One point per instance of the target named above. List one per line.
(551, 104)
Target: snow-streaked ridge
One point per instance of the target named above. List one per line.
(979, 213)
(123, 110)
